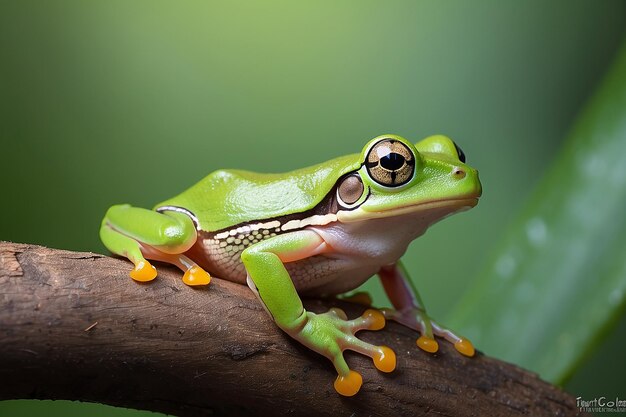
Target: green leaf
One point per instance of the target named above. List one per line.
(558, 280)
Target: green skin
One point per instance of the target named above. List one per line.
(320, 230)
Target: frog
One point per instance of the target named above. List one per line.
(318, 231)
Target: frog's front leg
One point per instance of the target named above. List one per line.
(328, 334)
(410, 311)
(138, 233)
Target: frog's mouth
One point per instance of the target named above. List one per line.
(456, 204)
(444, 207)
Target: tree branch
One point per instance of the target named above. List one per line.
(75, 326)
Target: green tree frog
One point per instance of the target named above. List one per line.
(321, 230)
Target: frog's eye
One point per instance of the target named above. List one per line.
(390, 163)
(459, 152)
(350, 190)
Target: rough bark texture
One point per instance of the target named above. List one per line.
(75, 326)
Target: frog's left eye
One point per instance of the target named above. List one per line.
(390, 163)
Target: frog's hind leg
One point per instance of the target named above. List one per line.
(123, 245)
(138, 233)
(411, 313)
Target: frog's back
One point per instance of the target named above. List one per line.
(226, 198)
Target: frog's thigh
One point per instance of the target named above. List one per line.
(136, 233)
(169, 232)
(268, 277)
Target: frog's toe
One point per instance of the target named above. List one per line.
(417, 319)
(385, 359)
(461, 344)
(465, 347)
(143, 271)
(196, 276)
(371, 319)
(348, 384)
(427, 344)
(342, 337)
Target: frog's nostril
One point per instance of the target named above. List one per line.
(458, 173)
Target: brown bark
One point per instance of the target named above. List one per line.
(75, 326)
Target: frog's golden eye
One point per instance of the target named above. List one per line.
(390, 163)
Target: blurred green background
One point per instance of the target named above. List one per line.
(110, 102)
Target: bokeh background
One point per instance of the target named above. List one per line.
(111, 102)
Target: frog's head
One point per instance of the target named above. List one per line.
(397, 177)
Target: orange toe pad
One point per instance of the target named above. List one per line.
(349, 385)
(196, 276)
(377, 320)
(385, 359)
(465, 347)
(144, 271)
(427, 344)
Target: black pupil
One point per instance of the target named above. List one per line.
(392, 162)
